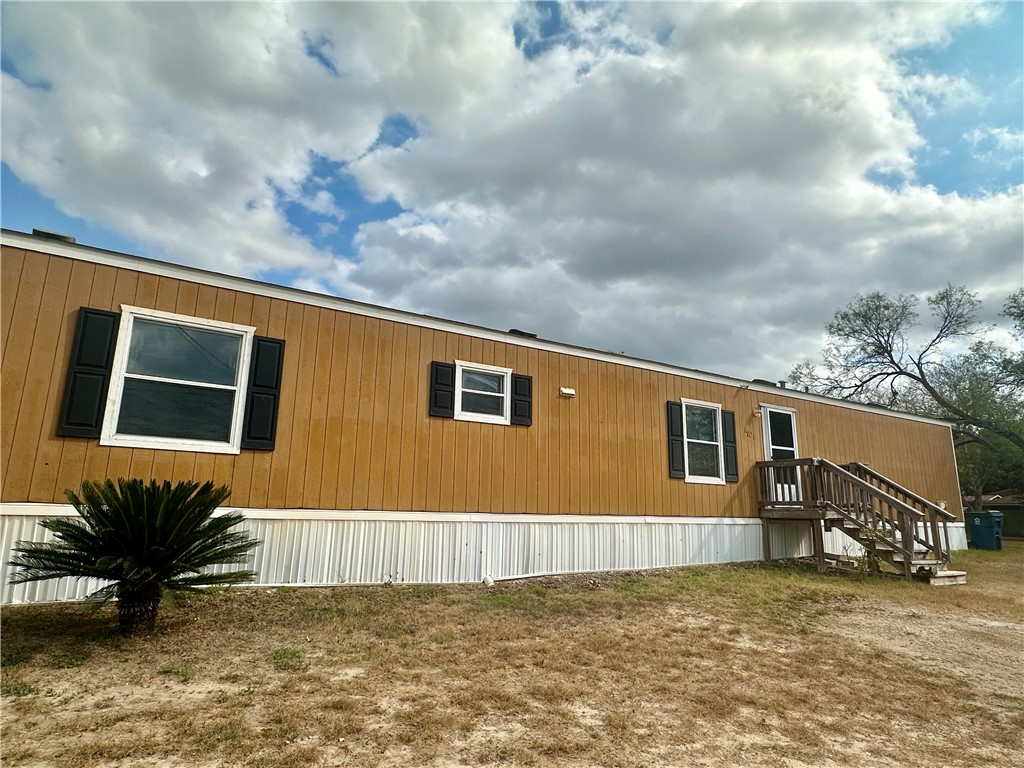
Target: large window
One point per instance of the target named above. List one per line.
(482, 393)
(177, 382)
(702, 432)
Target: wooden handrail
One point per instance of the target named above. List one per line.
(895, 520)
(897, 487)
(789, 463)
(902, 506)
(902, 518)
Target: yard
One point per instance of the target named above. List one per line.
(725, 666)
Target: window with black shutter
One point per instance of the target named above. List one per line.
(732, 468)
(85, 391)
(476, 392)
(191, 384)
(701, 442)
(676, 440)
(259, 428)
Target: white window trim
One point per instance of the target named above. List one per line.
(783, 491)
(704, 479)
(109, 434)
(765, 430)
(506, 417)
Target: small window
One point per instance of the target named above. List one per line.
(702, 432)
(482, 393)
(177, 383)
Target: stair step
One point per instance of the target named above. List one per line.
(889, 546)
(876, 513)
(919, 562)
(943, 578)
(853, 532)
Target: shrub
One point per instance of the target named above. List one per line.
(143, 539)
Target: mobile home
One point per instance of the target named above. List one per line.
(368, 445)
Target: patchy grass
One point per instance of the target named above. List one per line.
(729, 666)
(180, 671)
(289, 659)
(16, 688)
(68, 659)
(12, 655)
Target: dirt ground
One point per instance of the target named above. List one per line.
(730, 666)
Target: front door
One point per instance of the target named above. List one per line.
(780, 445)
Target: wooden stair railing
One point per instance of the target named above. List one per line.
(897, 525)
(935, 514)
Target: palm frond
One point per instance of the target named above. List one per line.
(133, 533)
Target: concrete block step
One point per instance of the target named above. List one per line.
(841, 563)
(944, 578)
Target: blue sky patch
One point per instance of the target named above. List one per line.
(551, 31)
(891, 181)
(395, 131)
(315, 50)
(990, 58)
(7, 65)
(326, 231)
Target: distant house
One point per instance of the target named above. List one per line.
(366, 444)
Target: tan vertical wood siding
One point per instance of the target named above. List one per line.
(353, 429)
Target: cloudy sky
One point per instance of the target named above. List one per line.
(700, 184)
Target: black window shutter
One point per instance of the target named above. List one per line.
(442, 390)
(85, 391)
(522, 400)
(676, 441)
(259, 429)
(732, 469)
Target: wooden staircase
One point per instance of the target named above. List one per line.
(896, 527)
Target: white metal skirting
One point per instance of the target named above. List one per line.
(839, 543)
(796, 541)
(310, 547)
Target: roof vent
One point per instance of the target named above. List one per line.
(54, 235)
(517, 332)
(763, 382)
(782, 384)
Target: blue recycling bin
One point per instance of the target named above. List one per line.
(985, 529)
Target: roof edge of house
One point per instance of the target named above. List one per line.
(17, 239)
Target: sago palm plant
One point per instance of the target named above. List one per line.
(143, 539)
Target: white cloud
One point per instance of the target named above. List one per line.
(322, 202)
(1002, 139)
(326, 229)
(930, 93)
(999, 147)
(1009, 140)
(679, 181)
(179, 133)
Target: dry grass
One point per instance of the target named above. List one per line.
(698, 666)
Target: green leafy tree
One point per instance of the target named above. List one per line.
(986, 467)
(1014, 310)
(143, 539)
(877, 350)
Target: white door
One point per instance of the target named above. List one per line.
(780, 445)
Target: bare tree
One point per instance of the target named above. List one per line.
(877, 351)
